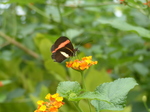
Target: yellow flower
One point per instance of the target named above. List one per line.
(42, 108)
(55, 95)
(82, 64)
(40, 102)
(48, 96)
(59, 98)
(52, 105)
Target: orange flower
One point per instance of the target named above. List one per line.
(123, 2)
(87, 45)
(109, 71)
(53, 109)
(82, 64)
(147, 3)
(54, 103)
(1, 83)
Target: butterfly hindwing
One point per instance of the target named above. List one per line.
(58, 57)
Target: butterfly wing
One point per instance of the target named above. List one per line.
(62, 49)
(58, 57)
(60, 42)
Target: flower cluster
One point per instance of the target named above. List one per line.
(109, 71)
(147, 3)
(1, 83)
(82, 64)
(54, 103)
(123, 2)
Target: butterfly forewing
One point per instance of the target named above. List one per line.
(60, 42)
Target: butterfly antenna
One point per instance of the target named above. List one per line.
(81, 42)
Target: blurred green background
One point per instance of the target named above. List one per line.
(114, 33)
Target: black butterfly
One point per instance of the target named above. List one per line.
(62, 49)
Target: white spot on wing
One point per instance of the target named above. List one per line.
(64, 54)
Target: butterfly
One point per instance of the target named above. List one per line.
(62, 49)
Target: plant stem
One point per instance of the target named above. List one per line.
(89, 105)
(62, 26)
(83, 81)
(38, 11)
(144, 98)
(146, 107)
(19, 45)
(84, 87)
(77, 106)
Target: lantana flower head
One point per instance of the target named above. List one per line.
(147, 3)
(123, 2)
(82, 64)
(1, 83)
(52, 105)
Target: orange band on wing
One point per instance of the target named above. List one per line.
(61, 45)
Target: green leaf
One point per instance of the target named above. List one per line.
(131, 40)
(26, 1)
(91, 95)
(141, 68)
(115, 92)
(44, 91)
(73, 32)
(3, 96)
(56, 69)
(68, 89)
(122, 25)
(6, 55)
(15, 94)
(41, 91)
(95, 78)
(54, 12)
(45, 48)
(44, 45)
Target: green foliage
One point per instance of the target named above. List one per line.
(115, 93)
(107, 96)
(122, 25)
(115, 34)
(26, 1)
(68, 89)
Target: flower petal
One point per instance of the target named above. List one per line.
(82, 64)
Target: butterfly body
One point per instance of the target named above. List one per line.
(62, 49)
